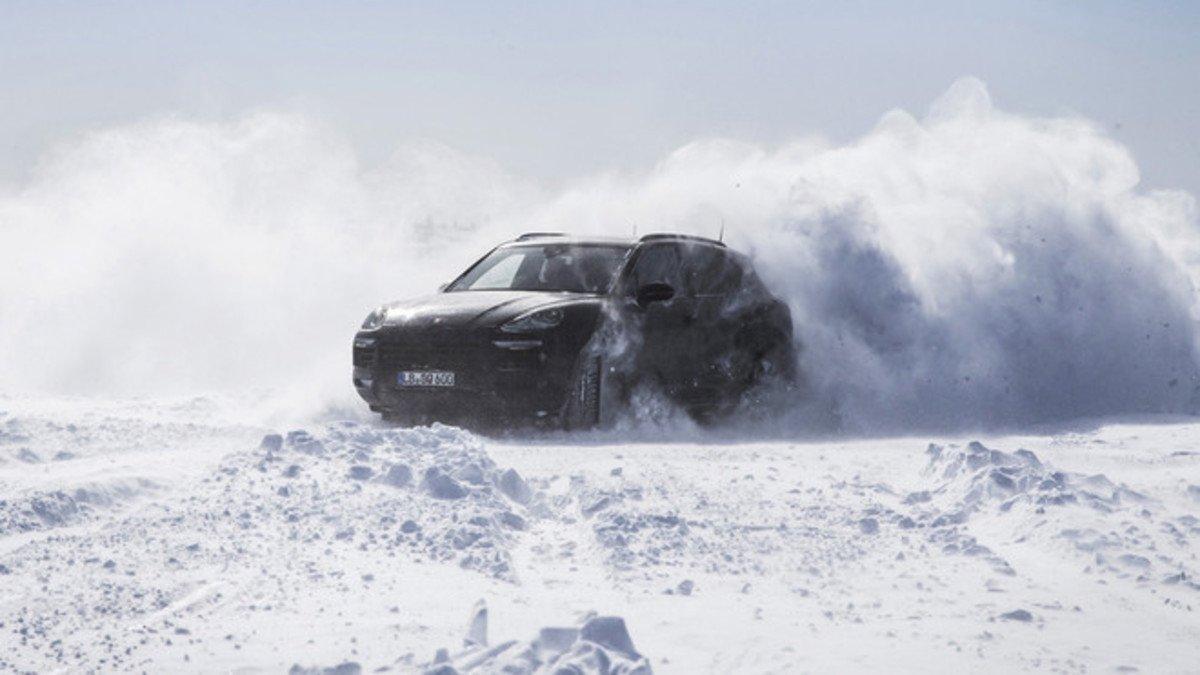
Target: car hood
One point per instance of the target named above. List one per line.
(462, 309)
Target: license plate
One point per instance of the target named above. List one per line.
(425, 378)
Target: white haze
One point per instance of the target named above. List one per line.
(965, 268)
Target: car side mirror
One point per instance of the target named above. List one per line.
(654, 292)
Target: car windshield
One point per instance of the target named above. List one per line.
(574, 268)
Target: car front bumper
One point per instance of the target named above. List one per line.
(497, 377)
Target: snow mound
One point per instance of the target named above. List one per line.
(334, 511)
(595, 644)
(354, 483)
(56, 473)
(979, 475)
(1123, 531)
(45, 510)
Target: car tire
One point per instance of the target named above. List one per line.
(582, 407)
(406, 420)
(391, 417)
(778, 364)
(772, 357)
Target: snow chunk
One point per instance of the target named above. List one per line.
(600, 644)
(514, 487)
(441, 486)
(398, 475)
(348, 668)
(1021, 615)
(609, 632)
(477, 628)
(471, 473)
(511, 520)
(271, 443)
(302, 441)
(359, 472)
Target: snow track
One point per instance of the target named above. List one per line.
(173, 537)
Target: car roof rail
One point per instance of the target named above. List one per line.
(666, 236)
(539, 235)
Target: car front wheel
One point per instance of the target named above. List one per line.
(582, 407)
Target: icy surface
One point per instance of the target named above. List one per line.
(165, 536)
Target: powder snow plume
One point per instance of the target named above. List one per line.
(965, 268)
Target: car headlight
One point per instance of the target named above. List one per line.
(375, 319)
(539, 320)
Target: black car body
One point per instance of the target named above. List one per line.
(559, 330)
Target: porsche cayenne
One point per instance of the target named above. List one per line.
(556, 330)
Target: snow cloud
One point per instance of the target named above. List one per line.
(968, 267)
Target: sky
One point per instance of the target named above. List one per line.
(187, 177)
(558, 90)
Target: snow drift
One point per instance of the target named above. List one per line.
(303, 515)
(970, 267)
(155, 536)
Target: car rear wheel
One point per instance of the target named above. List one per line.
(772, 357)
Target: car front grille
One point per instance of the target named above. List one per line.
(484, 373)
(432, 351)
(364, 357)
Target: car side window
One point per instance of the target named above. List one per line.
(717, 273)
(660, 263)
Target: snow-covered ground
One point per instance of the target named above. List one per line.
(175, 535)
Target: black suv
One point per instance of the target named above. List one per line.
(557, 330)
